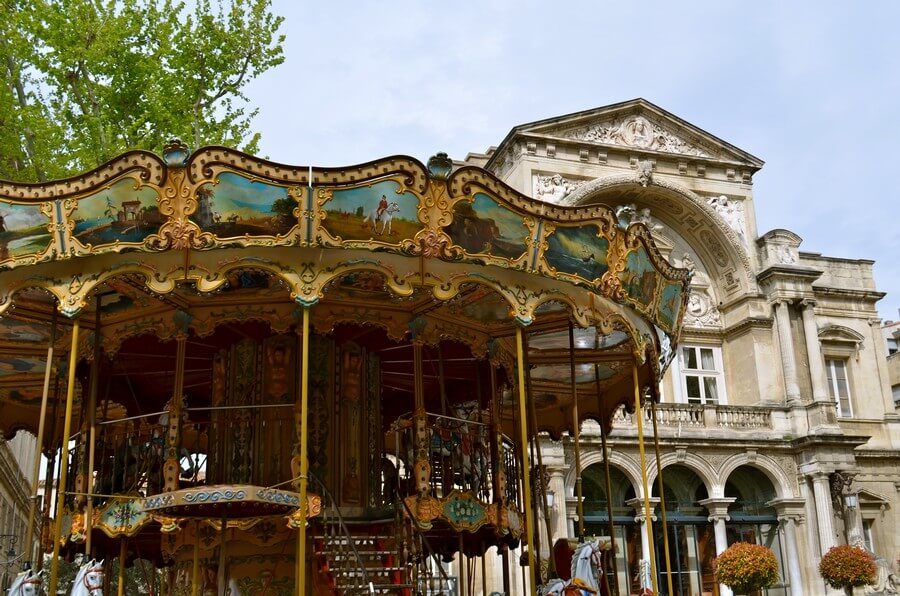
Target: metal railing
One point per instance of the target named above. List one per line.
(421, 574)
(460, 455)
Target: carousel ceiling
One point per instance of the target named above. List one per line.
(144, 247)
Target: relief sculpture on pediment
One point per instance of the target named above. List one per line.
(637, 131)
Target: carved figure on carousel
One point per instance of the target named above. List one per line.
(26, 584)
(89, 580)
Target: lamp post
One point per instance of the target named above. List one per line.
(9, 555)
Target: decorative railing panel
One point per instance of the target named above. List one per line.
(700, 417)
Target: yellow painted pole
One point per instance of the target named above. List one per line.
(121, 567)
(35, 480)
(662, 495)
(304, 455)
(63, 454)
(576, 436)
(92, 423)
(526, 496)
(195, 569)
(647, 514)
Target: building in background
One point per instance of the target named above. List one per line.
(16, 468)
(777, 423)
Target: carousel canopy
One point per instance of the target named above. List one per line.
(217, 244)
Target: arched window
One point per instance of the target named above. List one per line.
(754, 521)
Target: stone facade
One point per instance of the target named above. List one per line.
(777, 423)
(16, 467)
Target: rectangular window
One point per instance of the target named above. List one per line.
(867, 535)
(702, 377)
(838, 386)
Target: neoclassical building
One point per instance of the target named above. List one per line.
(777, 423)
(16, 465)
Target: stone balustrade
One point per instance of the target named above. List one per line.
(701, 417)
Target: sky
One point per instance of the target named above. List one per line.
(812, 88)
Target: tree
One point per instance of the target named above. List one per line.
(85, 80)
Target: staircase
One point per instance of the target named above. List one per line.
(373, 556)
(369, 558)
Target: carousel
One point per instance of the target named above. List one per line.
(254, 378)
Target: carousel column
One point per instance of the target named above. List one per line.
(814, 351)
(304, 455)
(92, 427)
(790, 513)
(422, 466)
(576, 429)
(718, 515)
(172, 467)
(786, 341)
(526, 479)
(63, 472)
(35, 481)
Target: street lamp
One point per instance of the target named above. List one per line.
(9, 553)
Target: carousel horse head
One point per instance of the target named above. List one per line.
(26, 584)
(586, 565)
(553, 587)
(89, 581)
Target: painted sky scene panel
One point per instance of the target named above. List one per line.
(484, 226)
(23, 231)
(23, 331)
(578, 251)
(669, 303)
(639, 277)
(120, 213)
(236, 206)
(372, 212)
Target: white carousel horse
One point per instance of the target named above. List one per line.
(26, 584)
(385, 218)
(89, 580)
(586, 564)
(586, 569)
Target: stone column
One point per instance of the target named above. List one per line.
(824, 511)
(638, 504)
(790, 513)
(814, 351)
(718, 515)
(788, 364)
(558, 510)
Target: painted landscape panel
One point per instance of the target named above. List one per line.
(237, 206)
(23, 231)
(578, 251)
(24, 331)
(120, 213)
(374, 212)
(486, 227)
(15, 366)
(669, 304)
(639, 277)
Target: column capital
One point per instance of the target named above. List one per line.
(789, 509)
(717, 507)
(808, 303)
(638, 504)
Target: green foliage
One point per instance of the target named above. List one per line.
(745, 567)
(86, 80)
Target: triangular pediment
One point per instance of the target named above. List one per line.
(637, 125)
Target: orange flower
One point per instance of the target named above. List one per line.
(747, 567)
(847, 566)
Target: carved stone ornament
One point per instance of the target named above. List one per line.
(637, 131)
(645, 172)
(785, 256)
(701, 310)
(733, 214)
(629, 214)
(553, 188)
